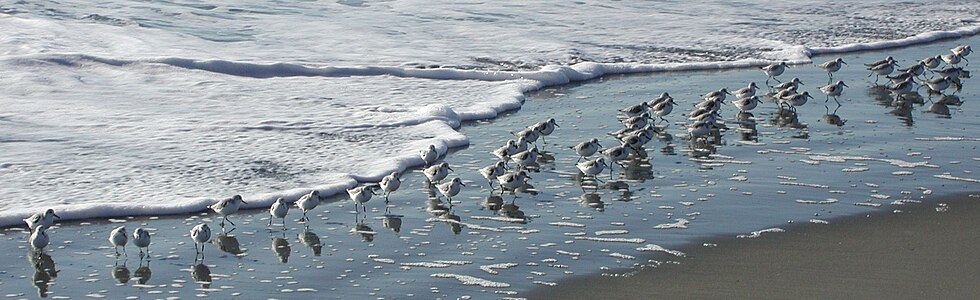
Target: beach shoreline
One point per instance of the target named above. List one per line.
(917, 251)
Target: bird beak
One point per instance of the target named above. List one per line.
(843, 62)
(597, 144)
(451, 169)
(243, 202)
(56, 215)
(844, 84)
(463, 184)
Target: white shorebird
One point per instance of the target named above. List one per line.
(793, 84)
(916, 69)
(746, 104)
(833, 90)
(528, 134)
(663, 109)
(962, 50)
(774, 70)
(832, 66)
(307, 203)
(939, 84)
(512, 180)
(226, 207)
(39, 238)
(505, 151)
(525, 158)
(46, 218)
(118, 237)
(638, 121)
(932, 61)
(586, 148)
(663, 97)
(746, 92)
(492, 171)
(616, 154)
(952, 72)
(902, 76)
(796, 100)
(450, 189)
(390, 184)
(952, 59)
(718, 95)
(360, 195)
(635, 109)
(429, 155)
(141, 239)
(592, 167)
(279, 209)
(886, 60)
(545, 128)
(881, 70)
(437, 172)
(201, 234)
(521, 144)
(699, 129)
(785, 93)
(902, 87)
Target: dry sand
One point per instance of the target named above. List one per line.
(917, 254)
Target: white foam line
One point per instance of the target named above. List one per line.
(759, 233)
(470, 280)
(951, 177)
(658, 248)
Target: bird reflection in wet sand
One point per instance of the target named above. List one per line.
(143, 273)
(940, 109)
(202, 275)
(454, 222)
(228, 244)
(786, 118)
(493, 203)
(120, 273)
(902, 107)
(280, 246)
(44, 272)
(592, 200)
(511, 210)
(950, 100)
(747, 126)
(393, 222)
(366, 232)
(623, 188)
(312, 241)
(832, 118)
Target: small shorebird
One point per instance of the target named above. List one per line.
(450, 189)
(902, 87)
(635, 110)
(119, 238)
(529, 135)
(390, 184)
(586, 148)
(512, 180)
(746, 104)
(141, 239)
(794, 84)
(886, 60)
(592, 167)
(796, 100)
(774, 70)
(525, 158)
(39, 238)
(505, 151)
(279, 209)
(663, 109)
(360, 195)
(746, 92)
(429, 155)
(939, 84)
(201, 234)
(492, 171)
(916, 69)
(616, 154)
(307, 203)
(699, 129)
(832, 66)
(437, 172)
(932, 61)
(962, 50)
(46, 218)
(226, 207)
(663, 97)
(833, 90)
(718, 95)
(545, 128)
(881, 70)
(952, 59)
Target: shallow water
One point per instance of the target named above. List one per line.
(879, 158)
(107, 103)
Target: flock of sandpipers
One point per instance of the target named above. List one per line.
(517, 155)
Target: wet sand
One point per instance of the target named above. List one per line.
(919, 253)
